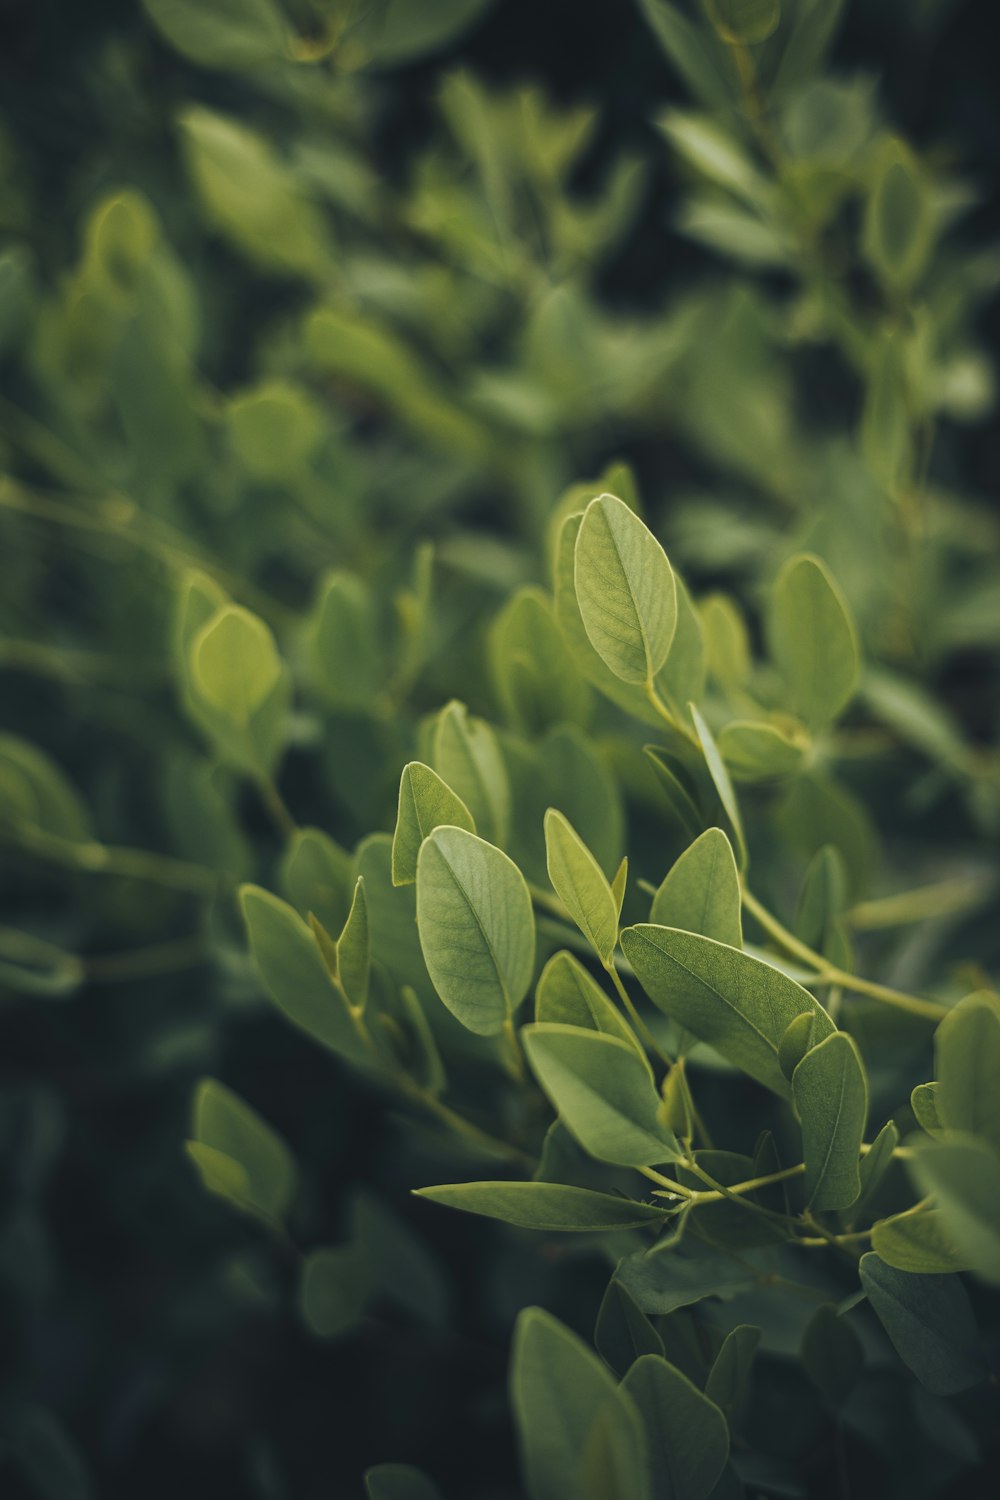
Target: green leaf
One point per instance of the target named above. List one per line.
(748, 21)
(342, 638)
(252, 196)
(799, 1037)
(738, 1004)
(813, 641)
(467, 757)
(899, 219)
(701, 892)
(566, 993)
(628, 696)
(316, 876)
(728, 1384)
(685, 45)
(560, 1390)
(236, 663)
(917, 1241)
(674, 788)
(477, 928)
(580, 884)
(687, 1433)
(755, 751)
(227, 1131)
(830, 1094)
(602, 1091)
(832, 1355)
(667, 1280)
(425, 803)
(334, 1287)
(538, 682)
(33, 790)
(963, 1174)
(623, 1332)
(930, 1323)
(354, 950)
(720, 780)
(274, 429)
(399, 1482)
(874, 1165)
(578, 781)
(401, 32)
(239, 36)
(295, 975)
(967, 1053)
(625, 590)
(926, 1105)
(545, 1205)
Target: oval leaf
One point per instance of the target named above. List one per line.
(625, 589)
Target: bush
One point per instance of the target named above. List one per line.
(636, 905)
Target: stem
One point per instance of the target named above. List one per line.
(276, 806)
(668, 715)
(109, 859)
(643, 1030)
(827, 973)
(143, 963)
(518, 1069)
(946, 898)
(721, 1191)
(460, 1126)
(676, 1188)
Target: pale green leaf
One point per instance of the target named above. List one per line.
(266, 1180)
(738, 1004)
(240, 36)
(830, 1094)
(926, 1106)
(602, 1091)
(917, 1240)
(967, 1053)
(720, 780)
(963, 1174)
(813, 641)
(545, 1205)
(625, 590)
(477, 928)
(580, 884)
(235, 663)
(701, 892)
(567, 994)
(425, 803)
(354, 950)
(467, 758)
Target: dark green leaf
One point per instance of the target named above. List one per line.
(687, 1433)
(930, 1323)
(830, 1094)
(545, 1205)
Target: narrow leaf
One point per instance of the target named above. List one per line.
(580, 884)
(545, 1205)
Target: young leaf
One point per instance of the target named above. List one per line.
(926, 1106)
(738, 1004)
(567, 994)
(354, 950)
(687, 1433)
(477, 928)
(930, 1323)
(295, 975)
(755, 751)
(425, 803)
(967, 1053)
(832, 1355)
(830, 1094)
(701, 892)
(799, 1037)
(917, 1240)
(545, 1205)
(580, 884)
(227, 1132)
(874, 1165)
(728, 1383)
(399, 1482)
(559, 1390)
(334, 1287)
(235, 663)
(602, 1091)
(963, 1174)
(625, 590)
(238, 35)
(467, 758)
(623, 1332)
(813, 641)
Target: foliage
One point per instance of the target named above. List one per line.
(625, 885)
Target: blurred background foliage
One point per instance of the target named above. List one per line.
(286, 292)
